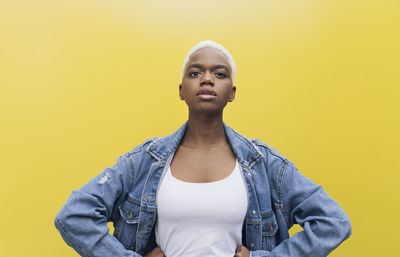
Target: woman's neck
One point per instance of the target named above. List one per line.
(205, 131)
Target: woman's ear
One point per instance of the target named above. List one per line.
(233, 93)
(180, 92)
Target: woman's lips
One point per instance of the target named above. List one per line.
(207, 97)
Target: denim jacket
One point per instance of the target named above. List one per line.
(278, 197)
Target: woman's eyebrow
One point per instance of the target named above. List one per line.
(199, 66)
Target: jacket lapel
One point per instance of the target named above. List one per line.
(245, 150)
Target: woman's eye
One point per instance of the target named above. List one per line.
(193, 74)
(220, 75)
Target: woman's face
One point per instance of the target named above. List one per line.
(207, 83)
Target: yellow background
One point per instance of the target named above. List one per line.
(83, 82)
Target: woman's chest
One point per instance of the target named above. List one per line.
(201, 166)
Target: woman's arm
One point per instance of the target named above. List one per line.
(82, 221)
(325, 224)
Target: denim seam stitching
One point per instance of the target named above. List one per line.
(118, 228)
(282, 173)
(132, 171)
(141, 198)
(263, 240)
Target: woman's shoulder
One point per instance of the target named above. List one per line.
(141, 147)
(268, 150)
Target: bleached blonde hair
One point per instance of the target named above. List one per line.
(210, 43)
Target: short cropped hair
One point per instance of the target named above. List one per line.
(210, 43)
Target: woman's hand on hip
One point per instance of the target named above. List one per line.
(156, 252)
(242, 251)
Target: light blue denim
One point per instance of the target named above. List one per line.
(278, 197)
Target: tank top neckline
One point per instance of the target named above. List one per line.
(204, 183)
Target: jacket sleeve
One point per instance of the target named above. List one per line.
(82, 221)
(325, 224)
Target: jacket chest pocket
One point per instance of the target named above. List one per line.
(269, 229)
(127, 226)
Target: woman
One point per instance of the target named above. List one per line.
(204, 190)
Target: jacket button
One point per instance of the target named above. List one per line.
(254, 211)
(251, 245)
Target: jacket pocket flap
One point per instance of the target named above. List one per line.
(130, 212)
(269, 224)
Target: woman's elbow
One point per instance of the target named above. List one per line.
(343, 228)
(347, 228)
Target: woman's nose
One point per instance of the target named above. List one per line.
(207, 78)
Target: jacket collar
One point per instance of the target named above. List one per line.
(245, 150)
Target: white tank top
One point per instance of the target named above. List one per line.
(200, 219)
